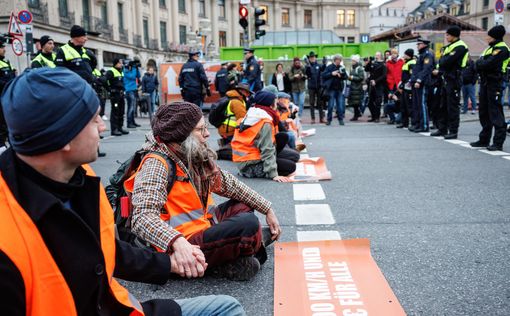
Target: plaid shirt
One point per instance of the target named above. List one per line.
(150, 195)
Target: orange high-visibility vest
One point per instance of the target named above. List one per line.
(243, 144)
(183, 210)
(46, 290)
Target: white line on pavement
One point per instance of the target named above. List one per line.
(425, 134)
(314, 214)
(506, 157)
(318, 235)
(308, 192)
(494, 153)
(467, 146)
(455, 141)
(108, 137)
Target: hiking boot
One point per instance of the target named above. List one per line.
(116, 133)
(266, 236)
(241, 269)
(478, 144)
(341, 122)
(437, 133)
(450, 136)
(123, 131)
(495, 147)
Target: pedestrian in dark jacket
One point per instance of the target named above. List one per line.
(280, 79)
(220, 80)
(57, 226)
(377, 86)
(333, 79)
(357, 79)
(193, 80)
(469, 78)
(150, 86)
(313, 73)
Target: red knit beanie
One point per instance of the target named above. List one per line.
(174, 122)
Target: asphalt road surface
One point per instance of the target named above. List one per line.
(437, 215)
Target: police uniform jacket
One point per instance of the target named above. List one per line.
(82, 65)
(407, 71)
(220, 81)
(469, 74)
(450, 65)
(192, 77)
(423, 68)
(7, 72)
(252, 74)
(72, 237)
(490, 66)
(313, 73)
(115, 84)
(43, 62)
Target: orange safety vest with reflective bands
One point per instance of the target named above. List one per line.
(46, 290)
(243, 143)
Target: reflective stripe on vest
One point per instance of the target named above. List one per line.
(116, 73)
(231, 118)
(406, 65)
(452, 46)
(71, 54)
(183, 210)
(243, 143)
(45, 62)
(4, 64)
(96, 72)
(488, 51)
(46, 290)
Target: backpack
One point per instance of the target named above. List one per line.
(121, 201)
(218, 112)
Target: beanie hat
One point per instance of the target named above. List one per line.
(271, 88)
(115, 61)
(453, 31)
(409, 52)
(283, 95)
(497, 32)
(174, 122)
(46, 108)
(264, 98)
(45, 39)
(77, 31)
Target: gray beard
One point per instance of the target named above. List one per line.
(196, 153)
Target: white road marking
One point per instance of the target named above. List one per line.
(425, 134)
(494, 153)
(439, 137)
(506, 157)
(108, 137)
(314, 214)
(318, 235)
(308, 192)
(467, 146)
(456, 141)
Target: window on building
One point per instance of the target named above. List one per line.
(182, 34)
(223, 12)
(86, 13)
(467, 7)
(241, 39)
(350, 18)
(145, 25)
(223, 39)
(162, 4)
(308, 18)
(485, 4)
(34, 3)
(182, 6)
(162, 34)
(285, 17)
(120, 12)
(201, 8)
(454, 11)
(62, 8)
(485, 23)
(350, 39)
(342, 39)
(104, 13)
(340, 17)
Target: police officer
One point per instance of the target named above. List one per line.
(406, 88)
(453, 59)
(115, 82)
(46, 56)
(7, 72)
(193, 80)
(220, 80)
(420, 80)
(492, 66)
(251, 71)
(74, 56)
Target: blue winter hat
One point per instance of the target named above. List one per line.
(283, 95)
(46, 108)
(265, 98)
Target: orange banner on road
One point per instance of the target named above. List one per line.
(311, 170)
(331, 278)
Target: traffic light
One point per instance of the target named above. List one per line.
(259, 22)
(243, 20)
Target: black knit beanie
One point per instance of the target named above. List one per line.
(453, 30)
(497, 32)
(174, 122)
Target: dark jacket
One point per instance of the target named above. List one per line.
(406, 74)
(313, 73)
(115, 84)
(423, 68)
(287, 86)
(251, 74)
(298, 84)
(489, 67)
(72, 237)
(83, 66)
(450, 64)
(357, 79)
(221, 81)
(6, 74)
(192, 77)
(469, 75)
(378, 74)
(330, 82)
(149, 83)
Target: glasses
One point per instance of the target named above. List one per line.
(203, 129)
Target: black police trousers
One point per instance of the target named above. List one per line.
(449, 110)
(117, 112)
(194, 97)
(375, 99)
(491, 113)
(316, 101)
(420, 119)
(406, 107)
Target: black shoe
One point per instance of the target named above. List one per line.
(400, 126)
(421, 130)
(450, 136)
(433, 127)
(242, 269)
(100, 154)
(266, 236)
(354, 119)
(437, 133)
(131, 126)
(116, 133)
(495, 147)
(124, 132)
(328, 123)
(136, 124)
(371, 120)
(390, 122)
(101, 136)
(478, 144)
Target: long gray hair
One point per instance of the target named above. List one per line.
(196, 152)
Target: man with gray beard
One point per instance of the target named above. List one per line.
(226, 238)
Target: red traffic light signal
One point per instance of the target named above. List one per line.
(243, 11)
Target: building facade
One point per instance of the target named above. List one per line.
(390, 14)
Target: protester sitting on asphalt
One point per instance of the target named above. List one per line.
(259, 151)
(236, 110)
(185, 221)
(58, 252)
(288, 121)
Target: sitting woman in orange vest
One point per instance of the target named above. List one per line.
(185, 221)
(258, 149)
